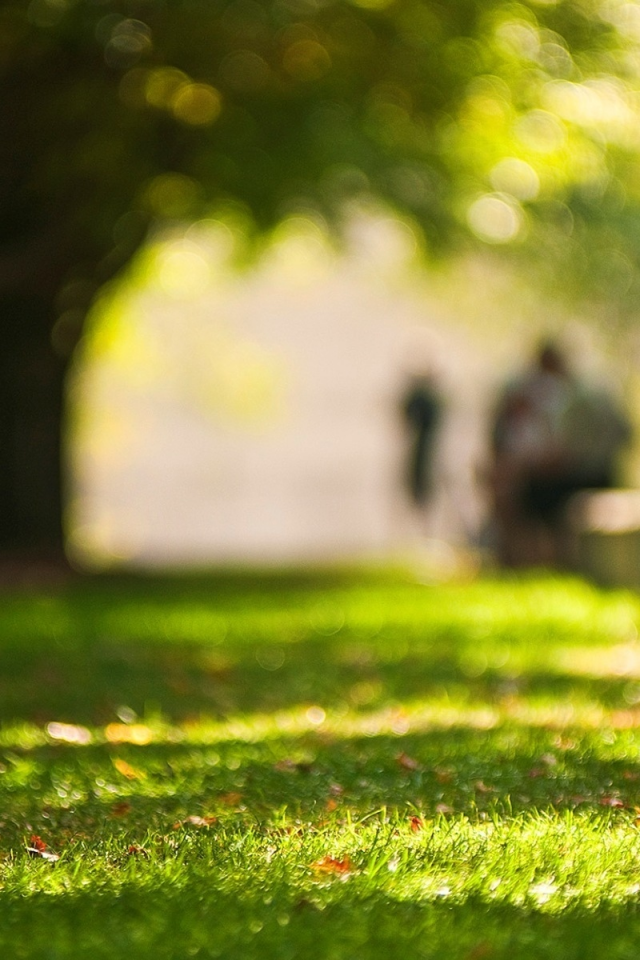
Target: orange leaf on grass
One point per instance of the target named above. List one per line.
(230, 799)
(329, 865)
(135, 851)
(416, 824)
(38, 848)
(406, 762)
(331, 805)
(120, 809)
(131, 773)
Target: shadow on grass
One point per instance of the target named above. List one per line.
(169, 922)
(87, 682)
(235, 643)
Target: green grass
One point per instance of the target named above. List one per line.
(347, 765)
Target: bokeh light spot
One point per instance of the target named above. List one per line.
(163, 84)
(515, 177)
(299, 249)
(129, 40)
(197, 103)
(306, 60)
(245, 71)
(183, 271)
(494, 219)
(171, 195)
(624, 16)
(316, 715)
(519, 38)
(541, 131)
(601, 104)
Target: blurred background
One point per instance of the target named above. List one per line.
(237, 237)
(257, 416)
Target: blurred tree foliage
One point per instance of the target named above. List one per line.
(488, 121)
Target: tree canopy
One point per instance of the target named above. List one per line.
(487, 121)
(499, 119)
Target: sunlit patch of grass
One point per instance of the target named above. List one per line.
(324, 766)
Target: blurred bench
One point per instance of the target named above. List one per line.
(604, 529)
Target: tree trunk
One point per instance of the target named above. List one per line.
(31, 407)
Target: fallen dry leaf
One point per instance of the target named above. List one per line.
(131, 773)
(38, 848)
(196, 821)
(135, 851)
(331, 804)
(120, 809)
(406, 762)
(416, 824)
(230, 799)
(329, 865)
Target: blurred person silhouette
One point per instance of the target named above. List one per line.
(422, 413)
(552, 435)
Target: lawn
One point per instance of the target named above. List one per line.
(338, 765)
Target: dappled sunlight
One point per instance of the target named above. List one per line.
(226, 646)
(290, 746)
(621, 660)
(239, 660)
(437, 760)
